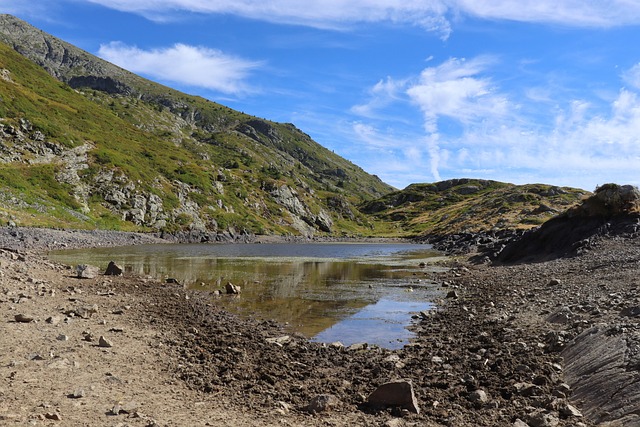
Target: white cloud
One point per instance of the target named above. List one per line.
(582, 142)
(595, 13)
(315, 13)
(433, 15)
(455, 90)
(632, 76)
(188, 65)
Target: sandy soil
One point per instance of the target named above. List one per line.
(505, 350)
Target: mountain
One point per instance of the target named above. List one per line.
(86, 144)
(471, 205)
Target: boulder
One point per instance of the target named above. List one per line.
(113, 270)
(397, 393)
(85, 271)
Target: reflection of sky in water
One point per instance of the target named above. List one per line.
(331, 291)
(383, 324)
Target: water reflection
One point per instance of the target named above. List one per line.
(345, 292)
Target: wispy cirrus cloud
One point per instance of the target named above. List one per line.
(580, 141)
(193, 66)
(433, 15)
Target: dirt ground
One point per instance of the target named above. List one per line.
(504, 349)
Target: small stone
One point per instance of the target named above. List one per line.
(86, 311)
(280, 341)
(322, 403)
(55, 416)
(232, 289)
(396, 422)
(53, 320)
(630, 311)
(543, 419)
(77, 394)
(113, 270)
(479, 396)
(62, 337)
(395, 394)
(23, 318)
(452, 294)
(103, 342)
(337, 345)
(520, 423)
(553, 282)
(358, 346)
(567, 410)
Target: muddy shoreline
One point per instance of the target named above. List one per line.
(507, 348)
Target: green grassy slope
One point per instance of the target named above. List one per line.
(470, 205)
(218, 172)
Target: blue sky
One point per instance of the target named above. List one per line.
(544, 91)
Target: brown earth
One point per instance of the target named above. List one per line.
(553, 343)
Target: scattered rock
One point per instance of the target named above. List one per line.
(113, 270)
(630, 311)
(452, 294)
(479, 396)
(55, 416)
(23, 318)
(86, 311)
(567, 410)
(84, 271)
(232, 289)
(395, 394)
(322, 403)
(280, 341)
(563, 316)
(77, 394)
(358, 346)
(543, 419)
(103, 342)
(396, 422)
(53, 320)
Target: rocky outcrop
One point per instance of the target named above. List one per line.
(288, 198)
(612, 210)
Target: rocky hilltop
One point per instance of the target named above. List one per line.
(466, 207)
(86, 144)
(612, 210)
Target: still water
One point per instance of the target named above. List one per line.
(348, 292)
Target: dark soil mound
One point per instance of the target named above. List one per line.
(613, 210)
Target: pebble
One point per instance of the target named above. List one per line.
(322, 403)
(103, 342)
(23, 318)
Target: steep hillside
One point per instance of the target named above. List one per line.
(101, 147)
(468, 205)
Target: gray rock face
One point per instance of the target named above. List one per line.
(395, 394)
(597, 367)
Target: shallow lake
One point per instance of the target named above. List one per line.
(348, 292)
